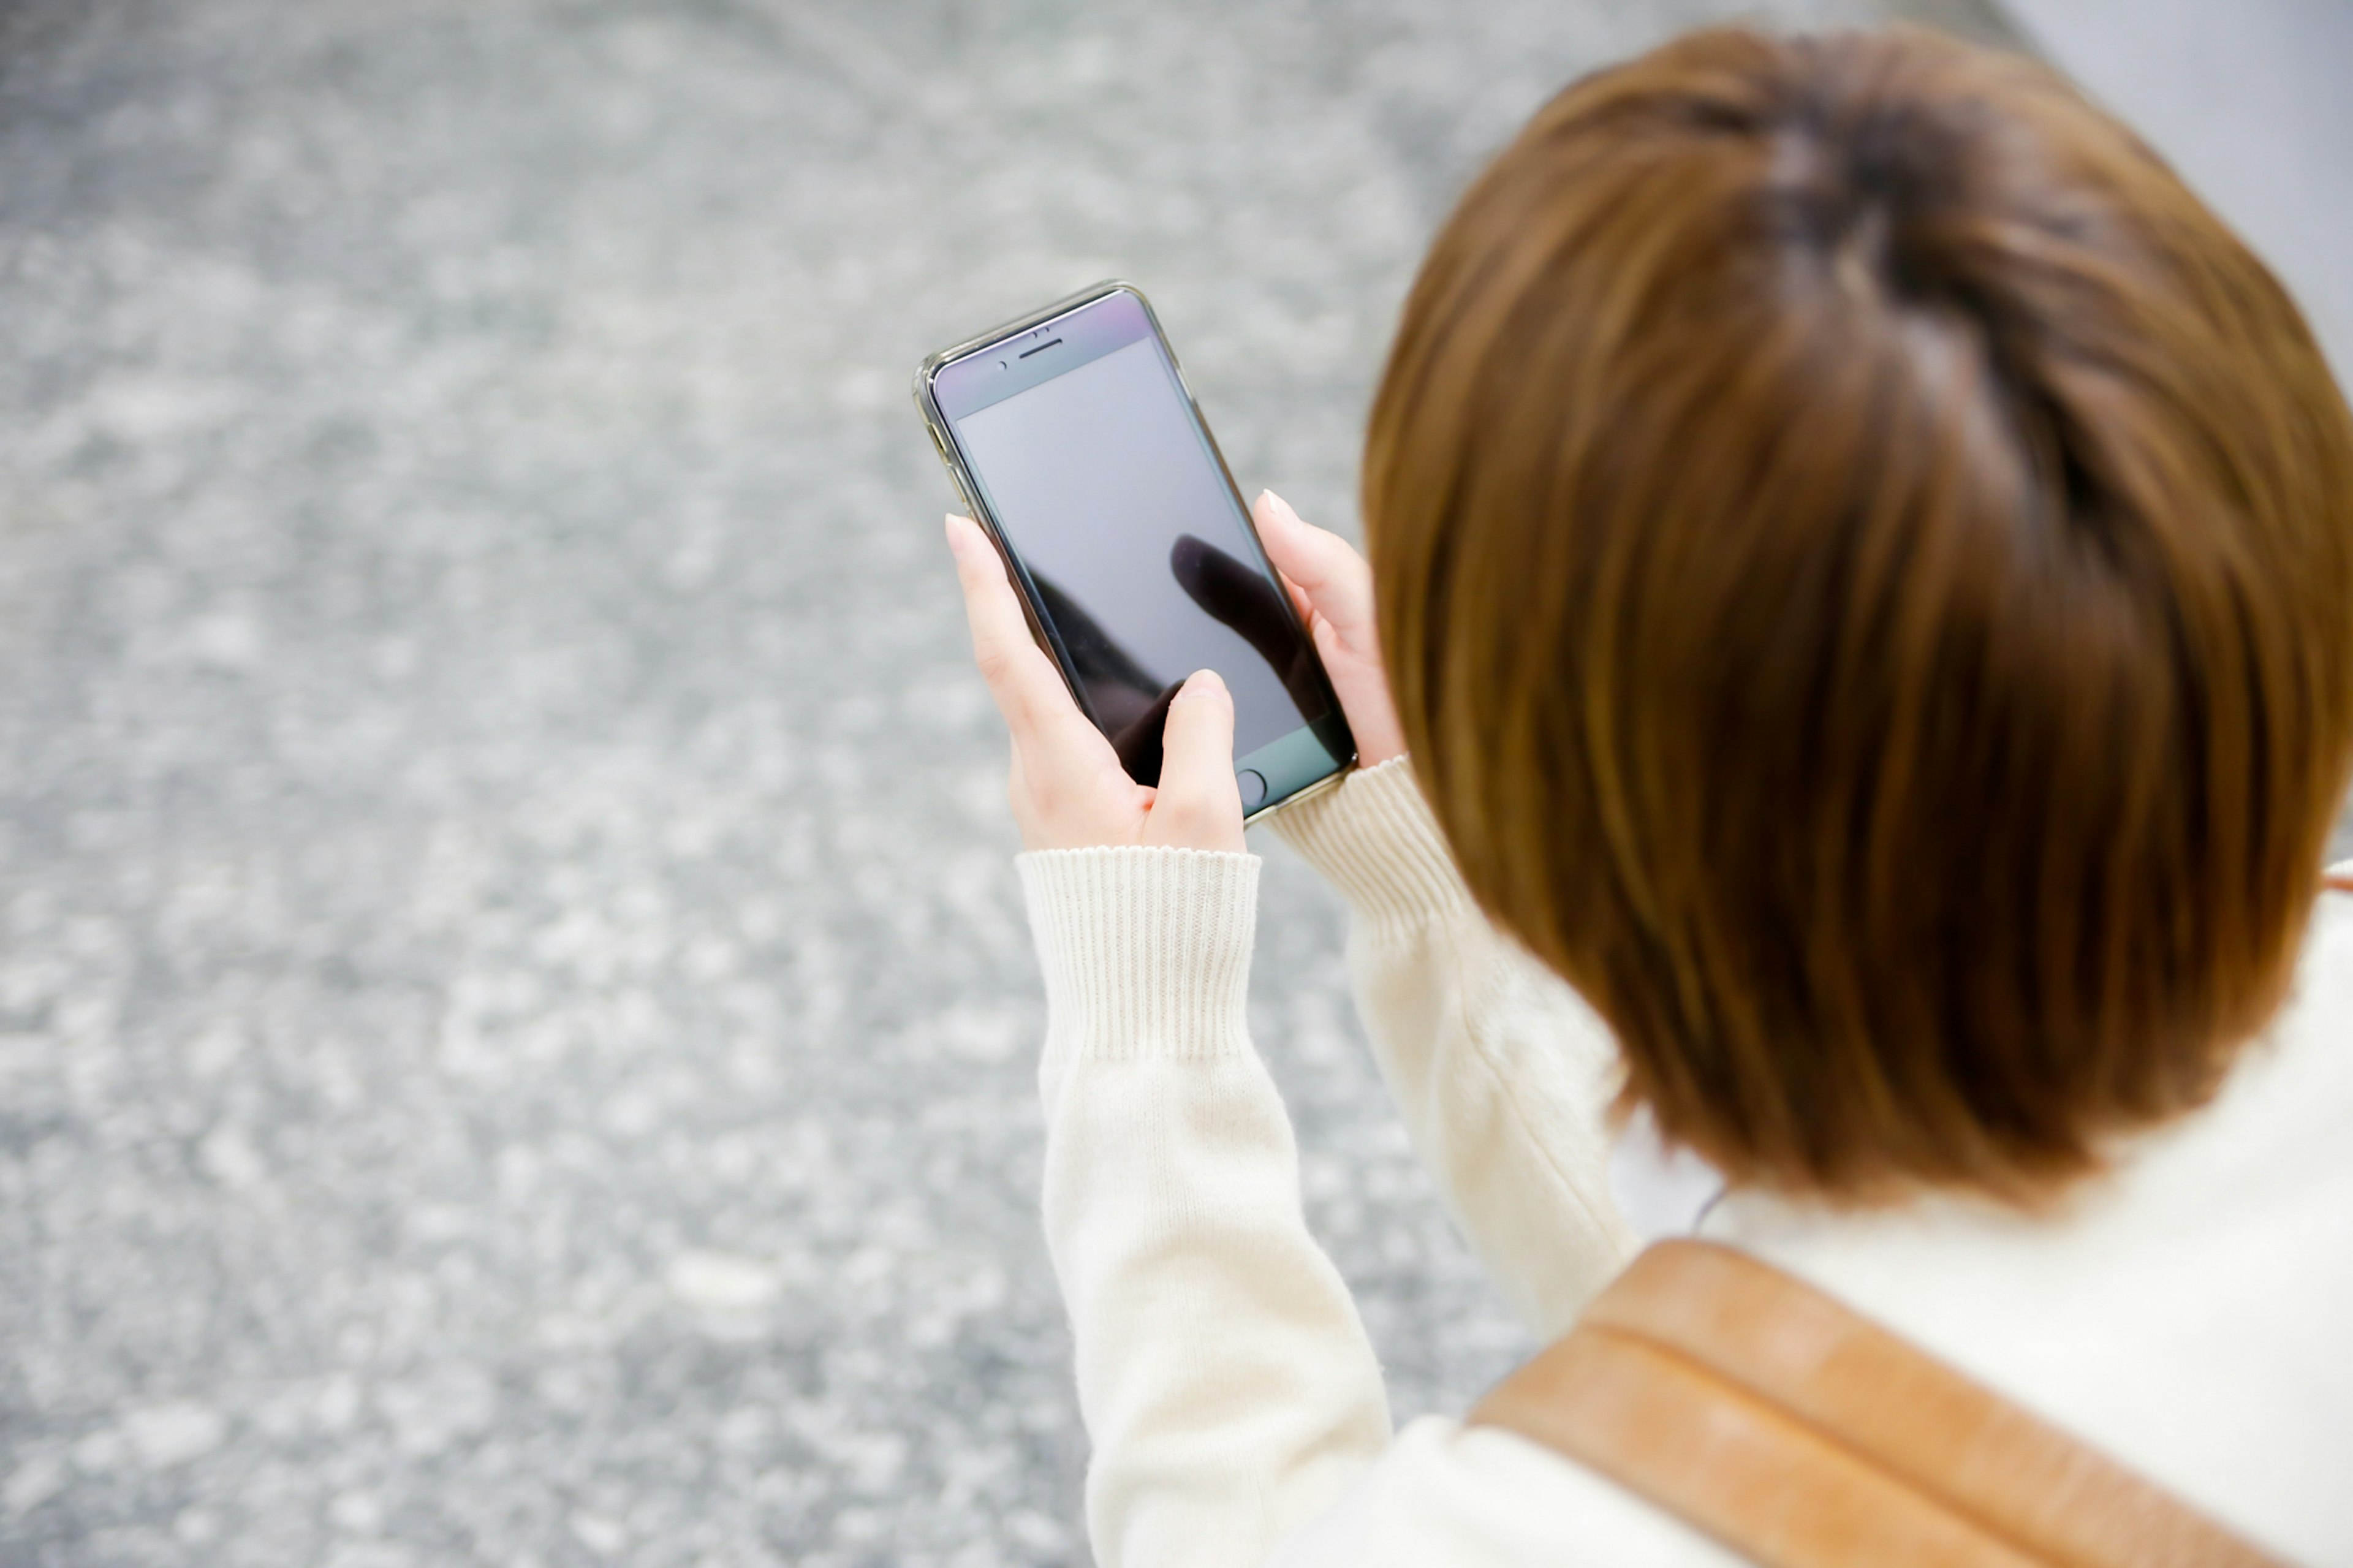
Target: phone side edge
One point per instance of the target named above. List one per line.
(968, 488)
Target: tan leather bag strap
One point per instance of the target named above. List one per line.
(1803, 1436)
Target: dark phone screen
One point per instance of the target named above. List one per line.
(1140, 560)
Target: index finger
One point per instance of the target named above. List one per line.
(1028, 689)
(1321, 564)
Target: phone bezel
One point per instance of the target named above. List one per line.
(970, 492)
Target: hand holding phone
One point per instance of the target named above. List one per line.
(1086, 463)
(1069, 789)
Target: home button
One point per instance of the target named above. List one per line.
(1253, 784)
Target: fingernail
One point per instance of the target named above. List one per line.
(956, 534)
(1279, 504)
(1200, 683)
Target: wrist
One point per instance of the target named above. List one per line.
(1374, 840)
(1146, 950)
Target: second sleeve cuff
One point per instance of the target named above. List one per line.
(1374, 839)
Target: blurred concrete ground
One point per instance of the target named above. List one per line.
(515, 1020)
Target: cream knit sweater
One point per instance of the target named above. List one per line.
(2191, 1313)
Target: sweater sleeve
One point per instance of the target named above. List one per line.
(1502, 1073)
(1226, 1382)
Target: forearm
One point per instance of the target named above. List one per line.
(1502, 1075)
(1226, 1382)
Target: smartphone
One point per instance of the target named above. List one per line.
(1072, 436)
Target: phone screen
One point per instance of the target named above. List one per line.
(1138, 556)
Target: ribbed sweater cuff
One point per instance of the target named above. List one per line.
(1373, 838)
(1146, 952)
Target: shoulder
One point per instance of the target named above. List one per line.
(1444, 1492)
(2183, 1311)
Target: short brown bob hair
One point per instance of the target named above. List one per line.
(1863, 562)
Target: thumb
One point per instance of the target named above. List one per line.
(1198, 805)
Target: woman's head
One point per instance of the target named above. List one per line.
(1866, 569)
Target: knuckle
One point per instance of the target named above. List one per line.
(1190, 802)
(995, 659)
(1178, 821)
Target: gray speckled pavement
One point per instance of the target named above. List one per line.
(515, 1019)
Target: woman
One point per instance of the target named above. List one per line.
(1864, 578)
